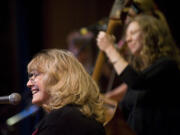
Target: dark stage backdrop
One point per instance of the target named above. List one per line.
(27, 26)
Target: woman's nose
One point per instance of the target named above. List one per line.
(29, 83)
(128, 39)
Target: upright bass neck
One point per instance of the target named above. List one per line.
(114, 123)
(113, 27)
(116, 21)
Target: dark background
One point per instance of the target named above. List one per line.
(27, 26)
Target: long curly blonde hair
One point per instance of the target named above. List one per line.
(67, 82)
(157, 42)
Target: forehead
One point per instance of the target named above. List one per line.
(34, 71)
(133, 26)
(36, 66)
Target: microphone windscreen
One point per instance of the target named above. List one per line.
(15, 98)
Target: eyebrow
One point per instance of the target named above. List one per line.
(30, 75)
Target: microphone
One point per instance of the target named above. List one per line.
(13, 99)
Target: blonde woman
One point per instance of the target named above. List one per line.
(60, 84)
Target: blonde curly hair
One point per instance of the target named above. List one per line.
(67, 82)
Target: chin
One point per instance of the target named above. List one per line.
(36, 102)
(133, 52)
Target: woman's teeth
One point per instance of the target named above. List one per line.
(34, 91)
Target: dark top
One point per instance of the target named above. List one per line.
(69, 120)
(152, 99)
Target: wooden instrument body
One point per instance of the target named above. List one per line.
(114, 123)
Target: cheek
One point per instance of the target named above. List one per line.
(139, 41)
(43, 92)
(136, 47)
(137, 38)
(43, 96)
(50, 79)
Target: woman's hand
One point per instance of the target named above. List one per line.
(104, 41)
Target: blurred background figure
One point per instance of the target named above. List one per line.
(151, 72)
(138, 7)
(82, 44)
(127, 100)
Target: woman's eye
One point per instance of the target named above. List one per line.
(36, 74)
(30, 75)
(33, 75)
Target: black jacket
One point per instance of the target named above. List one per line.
(154, 101)
(69, 121)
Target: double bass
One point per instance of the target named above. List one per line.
(114, 122)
